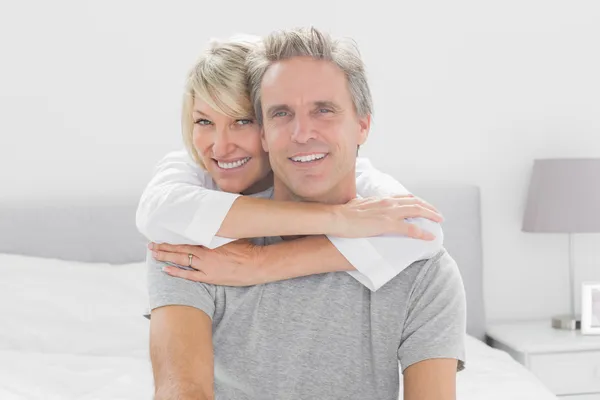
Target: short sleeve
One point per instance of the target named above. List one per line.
(166, 290)
(435, 324)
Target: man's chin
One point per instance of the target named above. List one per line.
(311, 191)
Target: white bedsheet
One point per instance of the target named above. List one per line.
(494, 375)
(75, 331)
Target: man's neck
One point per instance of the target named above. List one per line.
(340, 194)
(261, 185)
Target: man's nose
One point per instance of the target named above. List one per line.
(303, 129)
(222, 145)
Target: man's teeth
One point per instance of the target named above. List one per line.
(234, 164)
(308, 158)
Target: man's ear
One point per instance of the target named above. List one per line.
(365, 126)
(263, 140)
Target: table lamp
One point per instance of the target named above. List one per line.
(564, 197)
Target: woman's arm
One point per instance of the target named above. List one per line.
(242, 263)
(376, 260)
(182, 205)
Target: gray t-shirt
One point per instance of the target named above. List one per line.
(325, 336)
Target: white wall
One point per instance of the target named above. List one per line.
(465, 91)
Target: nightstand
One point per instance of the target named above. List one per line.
(567, 362)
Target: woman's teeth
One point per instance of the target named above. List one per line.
(308, 158)
(234, 164)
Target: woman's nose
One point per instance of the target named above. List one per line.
(222, 144)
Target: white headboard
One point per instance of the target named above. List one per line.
(461, 207)
(103, 230)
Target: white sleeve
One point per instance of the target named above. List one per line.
(379, 259)
(179, 205)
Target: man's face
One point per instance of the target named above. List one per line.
(311, 129)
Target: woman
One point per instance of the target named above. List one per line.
(222, 191)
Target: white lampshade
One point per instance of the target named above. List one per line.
(564, 196)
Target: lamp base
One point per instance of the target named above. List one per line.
(567, 322)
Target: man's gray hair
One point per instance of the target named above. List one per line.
(309, 42)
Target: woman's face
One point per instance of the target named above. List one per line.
(231, 150)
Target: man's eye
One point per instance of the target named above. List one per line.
(202, 121)
(324, 110)
(243, 122)
(280, 114)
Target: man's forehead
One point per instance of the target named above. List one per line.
(305, 79)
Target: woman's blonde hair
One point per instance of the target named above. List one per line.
(219, 79)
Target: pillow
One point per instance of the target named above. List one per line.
(56, 306)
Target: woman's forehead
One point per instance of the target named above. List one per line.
(211, 109)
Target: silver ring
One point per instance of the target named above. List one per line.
(191, 257)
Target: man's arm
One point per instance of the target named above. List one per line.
(180, 335)
(431, 379)
(432, 348)
(181, 352)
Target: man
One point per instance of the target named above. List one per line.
(322, 336)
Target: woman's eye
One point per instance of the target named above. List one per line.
(202, 121)
(243, 121)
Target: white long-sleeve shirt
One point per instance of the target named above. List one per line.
(183, 205)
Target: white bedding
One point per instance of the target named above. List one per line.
(74, 331)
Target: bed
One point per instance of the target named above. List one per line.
(73, 291)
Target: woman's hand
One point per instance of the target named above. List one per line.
(377, 216)
(234, 264)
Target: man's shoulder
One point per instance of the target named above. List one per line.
(167, 290)
(437, 261)
(438, 267)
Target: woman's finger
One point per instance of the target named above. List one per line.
(413, 231)
(196, 276)
(427, 205)
(396, 201)
(174, 258)
(174, 248)
(416, 211)
(417, 200)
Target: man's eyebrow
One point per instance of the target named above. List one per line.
(321, 103)
(276, 107)
(327, 104)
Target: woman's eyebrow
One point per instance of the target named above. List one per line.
(200, 112)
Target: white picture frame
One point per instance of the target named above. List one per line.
(590, 308)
